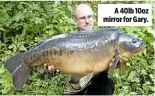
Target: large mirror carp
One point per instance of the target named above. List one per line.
(78, 53)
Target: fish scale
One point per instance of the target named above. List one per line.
(37, 56)
(78, 38)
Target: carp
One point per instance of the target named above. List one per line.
(78, 53)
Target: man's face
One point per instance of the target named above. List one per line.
(84, 19)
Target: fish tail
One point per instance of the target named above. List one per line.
(12, 63)
(20, 71)
(20, 76)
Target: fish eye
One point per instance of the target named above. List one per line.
(134, 40)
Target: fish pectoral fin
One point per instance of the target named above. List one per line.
(122, 67)
(114, 65)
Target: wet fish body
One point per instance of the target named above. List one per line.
(78, 53)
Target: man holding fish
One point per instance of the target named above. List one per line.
(87, 55)
(98, 84)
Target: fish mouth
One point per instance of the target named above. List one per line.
(137, 50)
(130, 53)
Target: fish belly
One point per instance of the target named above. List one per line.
(82, 62)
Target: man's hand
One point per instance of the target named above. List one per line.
(110, 64)
(50, 69)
